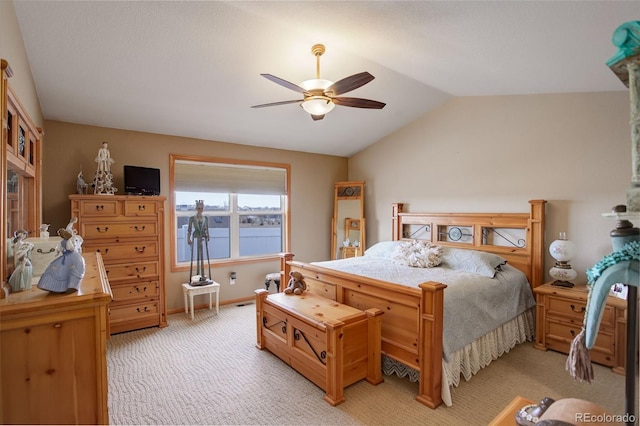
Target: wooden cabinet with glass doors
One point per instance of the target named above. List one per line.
(21, 170)
(348, 225)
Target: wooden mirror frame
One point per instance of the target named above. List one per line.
(348, 217)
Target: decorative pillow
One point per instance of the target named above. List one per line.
(419, 254)
(384, 249)
(477, 262)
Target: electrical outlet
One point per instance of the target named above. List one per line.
(232, 278)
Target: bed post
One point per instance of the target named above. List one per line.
(261, 296)
(430, 338)
(285, 268)
(536, 229)
(396, 231)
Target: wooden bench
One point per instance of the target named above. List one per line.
(331, 344)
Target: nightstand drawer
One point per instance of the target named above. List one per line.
(566, 308)
(560, 336)
(574, 310)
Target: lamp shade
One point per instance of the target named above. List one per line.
(562, 250)
(318, 105)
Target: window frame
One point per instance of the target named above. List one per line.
(286, 215)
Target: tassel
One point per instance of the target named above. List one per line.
(579, 362)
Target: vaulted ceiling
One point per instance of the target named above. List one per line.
(192, 68)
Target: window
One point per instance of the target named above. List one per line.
(245, 204)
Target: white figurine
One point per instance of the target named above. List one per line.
(103, 179)
(65, 273)
(44, 230)
(23, 273)
(81, 185)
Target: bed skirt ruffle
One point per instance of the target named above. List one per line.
(475, 356)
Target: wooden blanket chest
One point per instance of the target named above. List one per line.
(331, 344)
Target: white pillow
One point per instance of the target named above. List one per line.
(419, 254)
(477, 262)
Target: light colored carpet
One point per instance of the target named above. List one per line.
(209, 371)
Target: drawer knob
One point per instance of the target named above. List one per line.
(99, 207)
(141, 207)
(105, 251)
(141, 228)
(106, 228)
(139, 270)
(141, 250)
(573, 333)
(146, 309)
(144, 289)
(51, 250)
(579, 311)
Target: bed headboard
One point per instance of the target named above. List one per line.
(518, 237)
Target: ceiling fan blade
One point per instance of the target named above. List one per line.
(277, 103)
(358, 103)
(317, 117)
(348, 84)
(284, 83)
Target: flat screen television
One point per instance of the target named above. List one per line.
(141, 180)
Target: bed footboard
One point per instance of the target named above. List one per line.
(412, 324)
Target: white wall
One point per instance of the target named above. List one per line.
(491, 154)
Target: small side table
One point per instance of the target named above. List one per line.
(191, 290)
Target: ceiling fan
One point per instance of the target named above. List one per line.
(320, 96)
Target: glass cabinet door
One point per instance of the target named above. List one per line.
(21, 201)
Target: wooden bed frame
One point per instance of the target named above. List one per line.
(412, 324)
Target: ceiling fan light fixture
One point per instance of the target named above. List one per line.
(320, 96)
(316, 84)
(318, 105)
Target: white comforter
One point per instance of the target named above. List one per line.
(473, 305)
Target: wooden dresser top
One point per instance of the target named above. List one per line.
(94, 287)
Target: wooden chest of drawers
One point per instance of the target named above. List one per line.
(128, 232)
(559, 318)
(331, 344)
(53, 353)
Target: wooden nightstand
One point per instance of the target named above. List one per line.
(559, 318)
